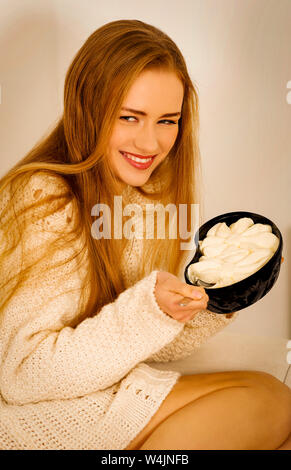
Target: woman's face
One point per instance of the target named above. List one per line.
(148, 129)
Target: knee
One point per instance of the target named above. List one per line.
(272, 386)
(274, 398)
(268, 382)
(264, 380)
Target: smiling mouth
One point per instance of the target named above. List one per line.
(136, 158)
(139, 163)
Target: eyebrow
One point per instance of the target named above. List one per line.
(142, 113)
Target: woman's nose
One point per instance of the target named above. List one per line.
(146, 140)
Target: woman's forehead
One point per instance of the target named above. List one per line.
(155, 89)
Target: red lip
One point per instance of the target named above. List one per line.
(137, 155)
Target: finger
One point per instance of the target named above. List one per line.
(185, 301)
(189, 302)
(181, 316)
(194, 305)
(186, 290)
(177, 298)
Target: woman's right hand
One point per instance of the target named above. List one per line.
(169, 292)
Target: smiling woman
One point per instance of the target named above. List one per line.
(138, 145)
(82, 317)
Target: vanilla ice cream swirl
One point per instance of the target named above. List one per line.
(230, 254)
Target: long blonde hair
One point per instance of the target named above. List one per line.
(96, 85)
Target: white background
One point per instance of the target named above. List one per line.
(238, 54)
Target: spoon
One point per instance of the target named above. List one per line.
(196, 282)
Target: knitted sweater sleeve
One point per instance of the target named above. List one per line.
(42, 358)
(195, 333)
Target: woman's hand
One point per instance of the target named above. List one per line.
(170, 291)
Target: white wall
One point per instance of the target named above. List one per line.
(28, 54)
(238, 55)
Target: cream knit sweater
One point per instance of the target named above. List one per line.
(88, 387)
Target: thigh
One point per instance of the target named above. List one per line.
(191, 387)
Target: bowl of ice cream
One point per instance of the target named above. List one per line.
(240, 254)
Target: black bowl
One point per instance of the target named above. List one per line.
(246, 292)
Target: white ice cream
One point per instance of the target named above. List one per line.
(233, 253)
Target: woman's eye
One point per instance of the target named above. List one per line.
(126, 118)
(171, 122)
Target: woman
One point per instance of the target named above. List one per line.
(83, 314)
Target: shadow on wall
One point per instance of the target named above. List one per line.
(28, 55)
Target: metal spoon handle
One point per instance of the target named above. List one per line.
(199, 282)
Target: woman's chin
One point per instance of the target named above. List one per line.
(134, 180)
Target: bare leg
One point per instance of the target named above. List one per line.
(229, 419)
(286, 445)
(225, 410)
